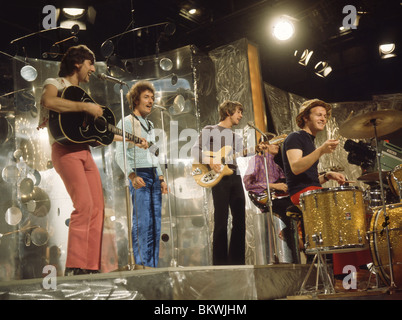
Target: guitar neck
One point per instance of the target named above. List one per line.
(240, 154)
(252, 150)
(127, 135)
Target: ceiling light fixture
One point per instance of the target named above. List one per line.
(73, 13)
(386, 50)
(322, 69)
(305, 56)
(283, 29)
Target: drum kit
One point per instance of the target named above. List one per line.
(338, 220)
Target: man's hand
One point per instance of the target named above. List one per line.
(143, 144)
(338, 177)
(137, 182)
(329, 146)
(93, 109)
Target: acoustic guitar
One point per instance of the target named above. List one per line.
(208, 178)
(80, 127)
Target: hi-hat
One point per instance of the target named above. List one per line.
(362, 126)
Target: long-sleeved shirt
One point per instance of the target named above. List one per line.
(137, 157)
(255, 178)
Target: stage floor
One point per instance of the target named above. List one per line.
(268, 282)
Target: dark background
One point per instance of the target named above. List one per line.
(358, 72)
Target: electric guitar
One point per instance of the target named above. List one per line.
(80, 127)
(208, 178)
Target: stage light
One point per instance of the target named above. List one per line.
(386, 50)
(283, 29)
(305, 56)
(192, 11)
(73, 13)
(322, 69)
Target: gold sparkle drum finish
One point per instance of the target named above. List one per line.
(395, 180)
(379, 245)
(334, 220)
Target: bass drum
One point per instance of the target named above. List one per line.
(395, 180)
(379, 245)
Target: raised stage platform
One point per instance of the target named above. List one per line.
(270, 282)
(178, 283)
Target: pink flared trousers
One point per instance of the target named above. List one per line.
(82, 180)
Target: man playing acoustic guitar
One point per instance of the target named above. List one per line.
(228, 192)
(74, 163)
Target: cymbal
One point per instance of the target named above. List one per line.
(361, 126)
(373, 176)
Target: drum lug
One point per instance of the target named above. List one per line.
(307, 244)
(335, 200)
(317, 238)
(340, 237)
(359, 237)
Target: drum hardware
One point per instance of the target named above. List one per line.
(322, 272)
(395, 181)
(369, 125)
(379, 242)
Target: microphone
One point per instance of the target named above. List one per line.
(253, 126)
(159, 107)
(103, 76)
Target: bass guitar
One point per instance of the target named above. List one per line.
(80, 127)
(208, 178)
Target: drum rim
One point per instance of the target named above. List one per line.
(334, 189)
(340, 248)
(399, 166)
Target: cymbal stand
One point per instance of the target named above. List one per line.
(131, 262)
(386, 218)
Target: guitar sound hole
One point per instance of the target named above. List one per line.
(101, 124)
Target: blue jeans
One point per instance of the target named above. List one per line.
(147, 212)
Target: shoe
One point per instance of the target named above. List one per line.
(72, 271)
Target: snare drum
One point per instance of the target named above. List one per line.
(395, 180)
(379, 243)
(334, 220)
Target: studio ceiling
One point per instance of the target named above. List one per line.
(358, 71)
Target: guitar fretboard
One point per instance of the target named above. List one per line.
(127, 135)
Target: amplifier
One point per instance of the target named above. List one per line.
(391, 155)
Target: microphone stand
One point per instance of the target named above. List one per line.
(131, 260)
(173, 262)
(268, 204)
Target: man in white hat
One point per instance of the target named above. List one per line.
(300, 156)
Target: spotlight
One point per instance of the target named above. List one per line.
(322, 69)
(386, 50)
(192, 11)
(73, 13)
(305, 56)
(283, 29)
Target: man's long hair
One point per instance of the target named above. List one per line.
(133, 96)
(228, 108)
(74, 55)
